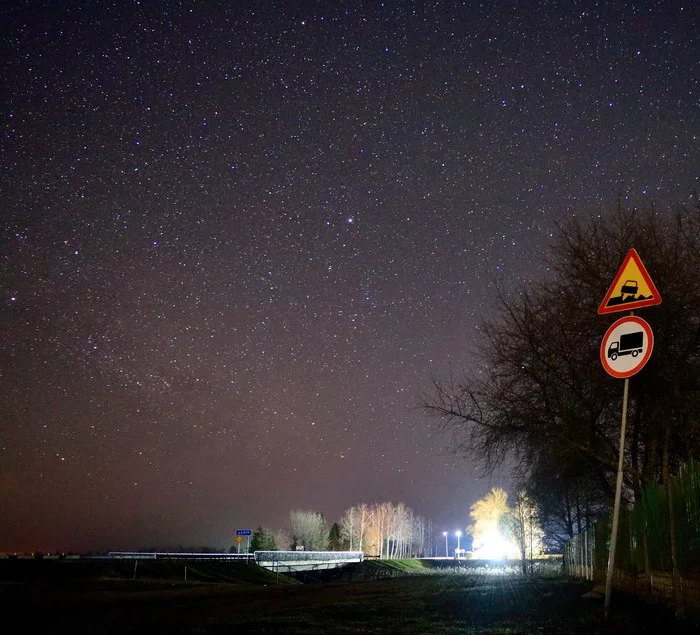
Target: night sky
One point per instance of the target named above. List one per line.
(239, 239)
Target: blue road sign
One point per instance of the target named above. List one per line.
(243, 532)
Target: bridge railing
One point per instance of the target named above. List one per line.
(168, 555)
(288, 561)
(306, 556)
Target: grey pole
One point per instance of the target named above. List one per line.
(616, 508)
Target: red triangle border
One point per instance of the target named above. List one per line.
(656, 296)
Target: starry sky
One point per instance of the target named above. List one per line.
(239, 239)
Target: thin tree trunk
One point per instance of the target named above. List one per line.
(677, 589)
(634, 446)
(645, 546)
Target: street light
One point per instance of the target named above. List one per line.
(459, 533)
(444, 533)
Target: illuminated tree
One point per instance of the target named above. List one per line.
(421, 536)
(521, 526)
(354, 525)
(283, 539)
(399, 537)
(386, 530)
(375, 530)
(309, 530)
(488, 514)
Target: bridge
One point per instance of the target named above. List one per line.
(279, 561)
(290, 561)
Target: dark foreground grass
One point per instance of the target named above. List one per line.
(463, 602)
(71, 573)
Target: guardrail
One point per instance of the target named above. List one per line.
(273, 560)
(167, 555)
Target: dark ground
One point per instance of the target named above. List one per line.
(439, 602)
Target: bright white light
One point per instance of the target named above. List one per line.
(494, 547)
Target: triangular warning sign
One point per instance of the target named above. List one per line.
(631, 289)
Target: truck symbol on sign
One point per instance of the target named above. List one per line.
(628, 344)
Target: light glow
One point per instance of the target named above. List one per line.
(494, 547)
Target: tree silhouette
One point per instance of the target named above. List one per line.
(263, 540)
(539, 396)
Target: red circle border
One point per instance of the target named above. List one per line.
(647, 354)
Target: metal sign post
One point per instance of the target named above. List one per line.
(239, 538)
(618, 497)
(625, 349)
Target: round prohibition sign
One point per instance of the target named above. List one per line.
(626, 346)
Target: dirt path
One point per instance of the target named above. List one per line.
(431, 604)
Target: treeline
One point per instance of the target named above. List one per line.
(386, 530)
(538, 398)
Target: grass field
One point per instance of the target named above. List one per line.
(238, 598)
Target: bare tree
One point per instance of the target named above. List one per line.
(283, 539)
(538, 395)
(567, 503)
(385, 530)
(381, 528)
(309, 530)
(420, 536)
(521, 525)
(354, 526)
